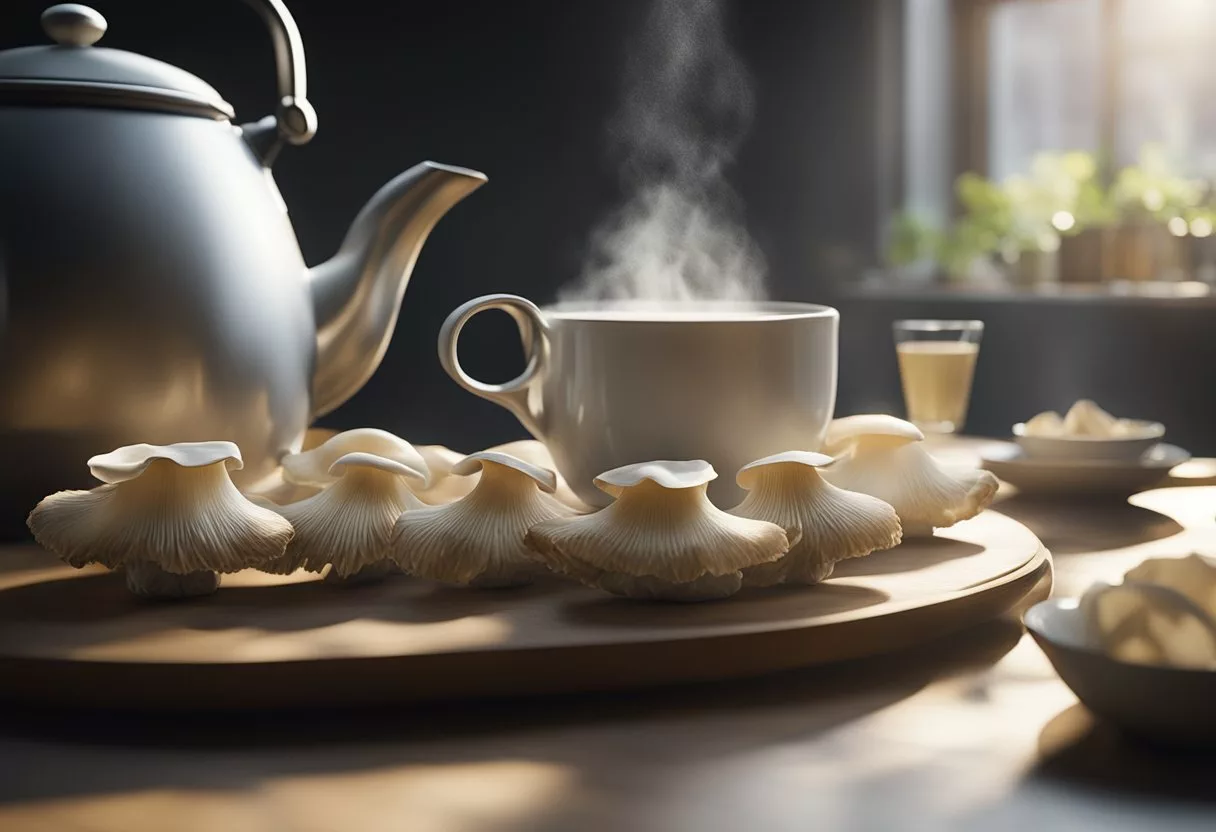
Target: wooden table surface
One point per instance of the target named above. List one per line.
(974, 731)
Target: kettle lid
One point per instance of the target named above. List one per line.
(73, 72)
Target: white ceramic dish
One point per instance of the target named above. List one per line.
(1107, 449)
(1163, 704)
(1114, 479)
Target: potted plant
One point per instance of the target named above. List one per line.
(1148, 196)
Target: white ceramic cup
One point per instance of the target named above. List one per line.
(613, 383)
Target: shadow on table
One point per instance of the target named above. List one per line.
(1077, 749)
(1068, 528)
(750, 606)
(912, 555)
(102, 599)
(47, 754)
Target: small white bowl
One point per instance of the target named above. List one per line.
(1168, 705)
(1107, 449)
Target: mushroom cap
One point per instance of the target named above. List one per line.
(667, 473)
(315, 437)
(128, 462)
(313, 467)
(748, 474)
(545, 479)
(844, 432)
(443, 486)
(359, 459)
(439, 459)
(529, 450)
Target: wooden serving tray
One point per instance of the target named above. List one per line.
(77, 638)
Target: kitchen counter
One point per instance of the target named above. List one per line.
(973, 731)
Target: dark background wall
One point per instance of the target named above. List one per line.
(520, 90)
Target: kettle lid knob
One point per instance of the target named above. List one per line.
(71, 24)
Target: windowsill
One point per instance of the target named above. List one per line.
(1182, 293)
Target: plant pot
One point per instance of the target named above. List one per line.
(1144, 251)
(1084, 256)
(1035, 268)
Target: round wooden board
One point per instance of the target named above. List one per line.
(76, 637)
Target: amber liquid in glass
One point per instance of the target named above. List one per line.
(936, 377)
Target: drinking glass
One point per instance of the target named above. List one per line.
(936, 364)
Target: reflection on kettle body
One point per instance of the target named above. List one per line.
(154, 287)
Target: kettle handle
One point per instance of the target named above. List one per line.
(294, 119)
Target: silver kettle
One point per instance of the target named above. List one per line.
(152, 286)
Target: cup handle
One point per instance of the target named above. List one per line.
(515, 394)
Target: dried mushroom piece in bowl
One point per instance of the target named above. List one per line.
(479, 540)
(1148, 623)
(661, 539)
(833, 524)
(168, 514)
(1194, 576)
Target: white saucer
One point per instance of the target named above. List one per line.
(1081, 478)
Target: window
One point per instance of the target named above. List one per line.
(1044, 81)
(1106, 76)
(997, 94)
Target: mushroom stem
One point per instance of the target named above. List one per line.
(148, 580)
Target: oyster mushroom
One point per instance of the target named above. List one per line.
(347, 526)
(534, 451)
(314, 466)
(443, 486)
(169, 515)
(833, 524)
(844, 432)
(275, 490)
(479, 540)
(446, 486)
(661, 539)
(887, 460)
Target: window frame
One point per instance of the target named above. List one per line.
(970, 22)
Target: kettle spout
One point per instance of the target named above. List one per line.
(357, 293)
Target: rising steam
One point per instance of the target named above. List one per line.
(688, 105)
